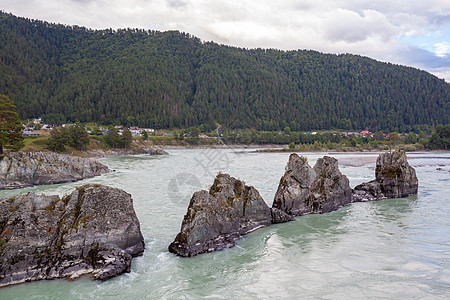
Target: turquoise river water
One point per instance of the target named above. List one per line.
(390, 249)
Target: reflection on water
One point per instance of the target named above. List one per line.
(395, 248)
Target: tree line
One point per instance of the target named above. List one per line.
(133, 77)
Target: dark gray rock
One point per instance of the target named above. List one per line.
(303, 189)
(394, 178)
(294, 186)
(368, 191)
(330, 189)
(24, 169)
(94, 230)
(215, 219)
(279, 216)
(152, 151)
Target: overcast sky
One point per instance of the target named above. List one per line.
(408, 32)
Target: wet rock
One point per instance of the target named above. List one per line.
(24, 169)
(279, 216)
(368, 191)
(303, 189)
(294, 186)
(394, 178)
(94, 230)
(217, 218)
(330, 189)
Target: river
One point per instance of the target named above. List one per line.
(393, 249)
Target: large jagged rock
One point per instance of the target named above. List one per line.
(330, 189)
(24, 169)
(304, 190)
(215, 219)
(294, 186)
(94, 230)
(394, 178)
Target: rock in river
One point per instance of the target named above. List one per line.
(303, 189)
(94, 230)
(215, 219)
(24, 169)
(394, 178)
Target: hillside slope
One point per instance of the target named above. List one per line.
(172, 79)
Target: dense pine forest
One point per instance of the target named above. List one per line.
(170, 79)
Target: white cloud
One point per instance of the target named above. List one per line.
(442, 49)
(378, 29)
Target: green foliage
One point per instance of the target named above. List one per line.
(173, 80)
(192, 135)
(378, 136)
(74, 136)
(127, 138)
(112, 138)
(78, 137)
(58, 139)
(144, 134)
(440, 138)
(291, 145)
(10, 126)
(287, 130)
(116, 140)
(411, 138)
(96, 131)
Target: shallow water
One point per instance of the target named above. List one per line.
(395, 248)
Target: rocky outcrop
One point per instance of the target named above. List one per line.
(394, 178)
(94, 230)
(304, 190)
(24, 169)
(98, 153)
(294, 186)
(215, 219)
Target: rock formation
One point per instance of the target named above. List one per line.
(294, 186)
(94, 230)
(394, 178)
(24, 169)
(98, 153)
(303, 189)
(215, 219)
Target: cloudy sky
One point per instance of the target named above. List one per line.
(408, 32)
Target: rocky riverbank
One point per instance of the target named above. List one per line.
(94, 230)
(100, 153)
(25, 169)
(230, 209)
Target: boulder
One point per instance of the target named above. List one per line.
(394, 178)
(94, 230)
(368, 191)
(304, 190)
(24, 169)
(217, 218)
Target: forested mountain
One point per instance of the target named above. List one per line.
(172, 79)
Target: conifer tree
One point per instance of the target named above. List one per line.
(10, 126)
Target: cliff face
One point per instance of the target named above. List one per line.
(215, 219)
(23, 169)
(94, 230)
(394, 178)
